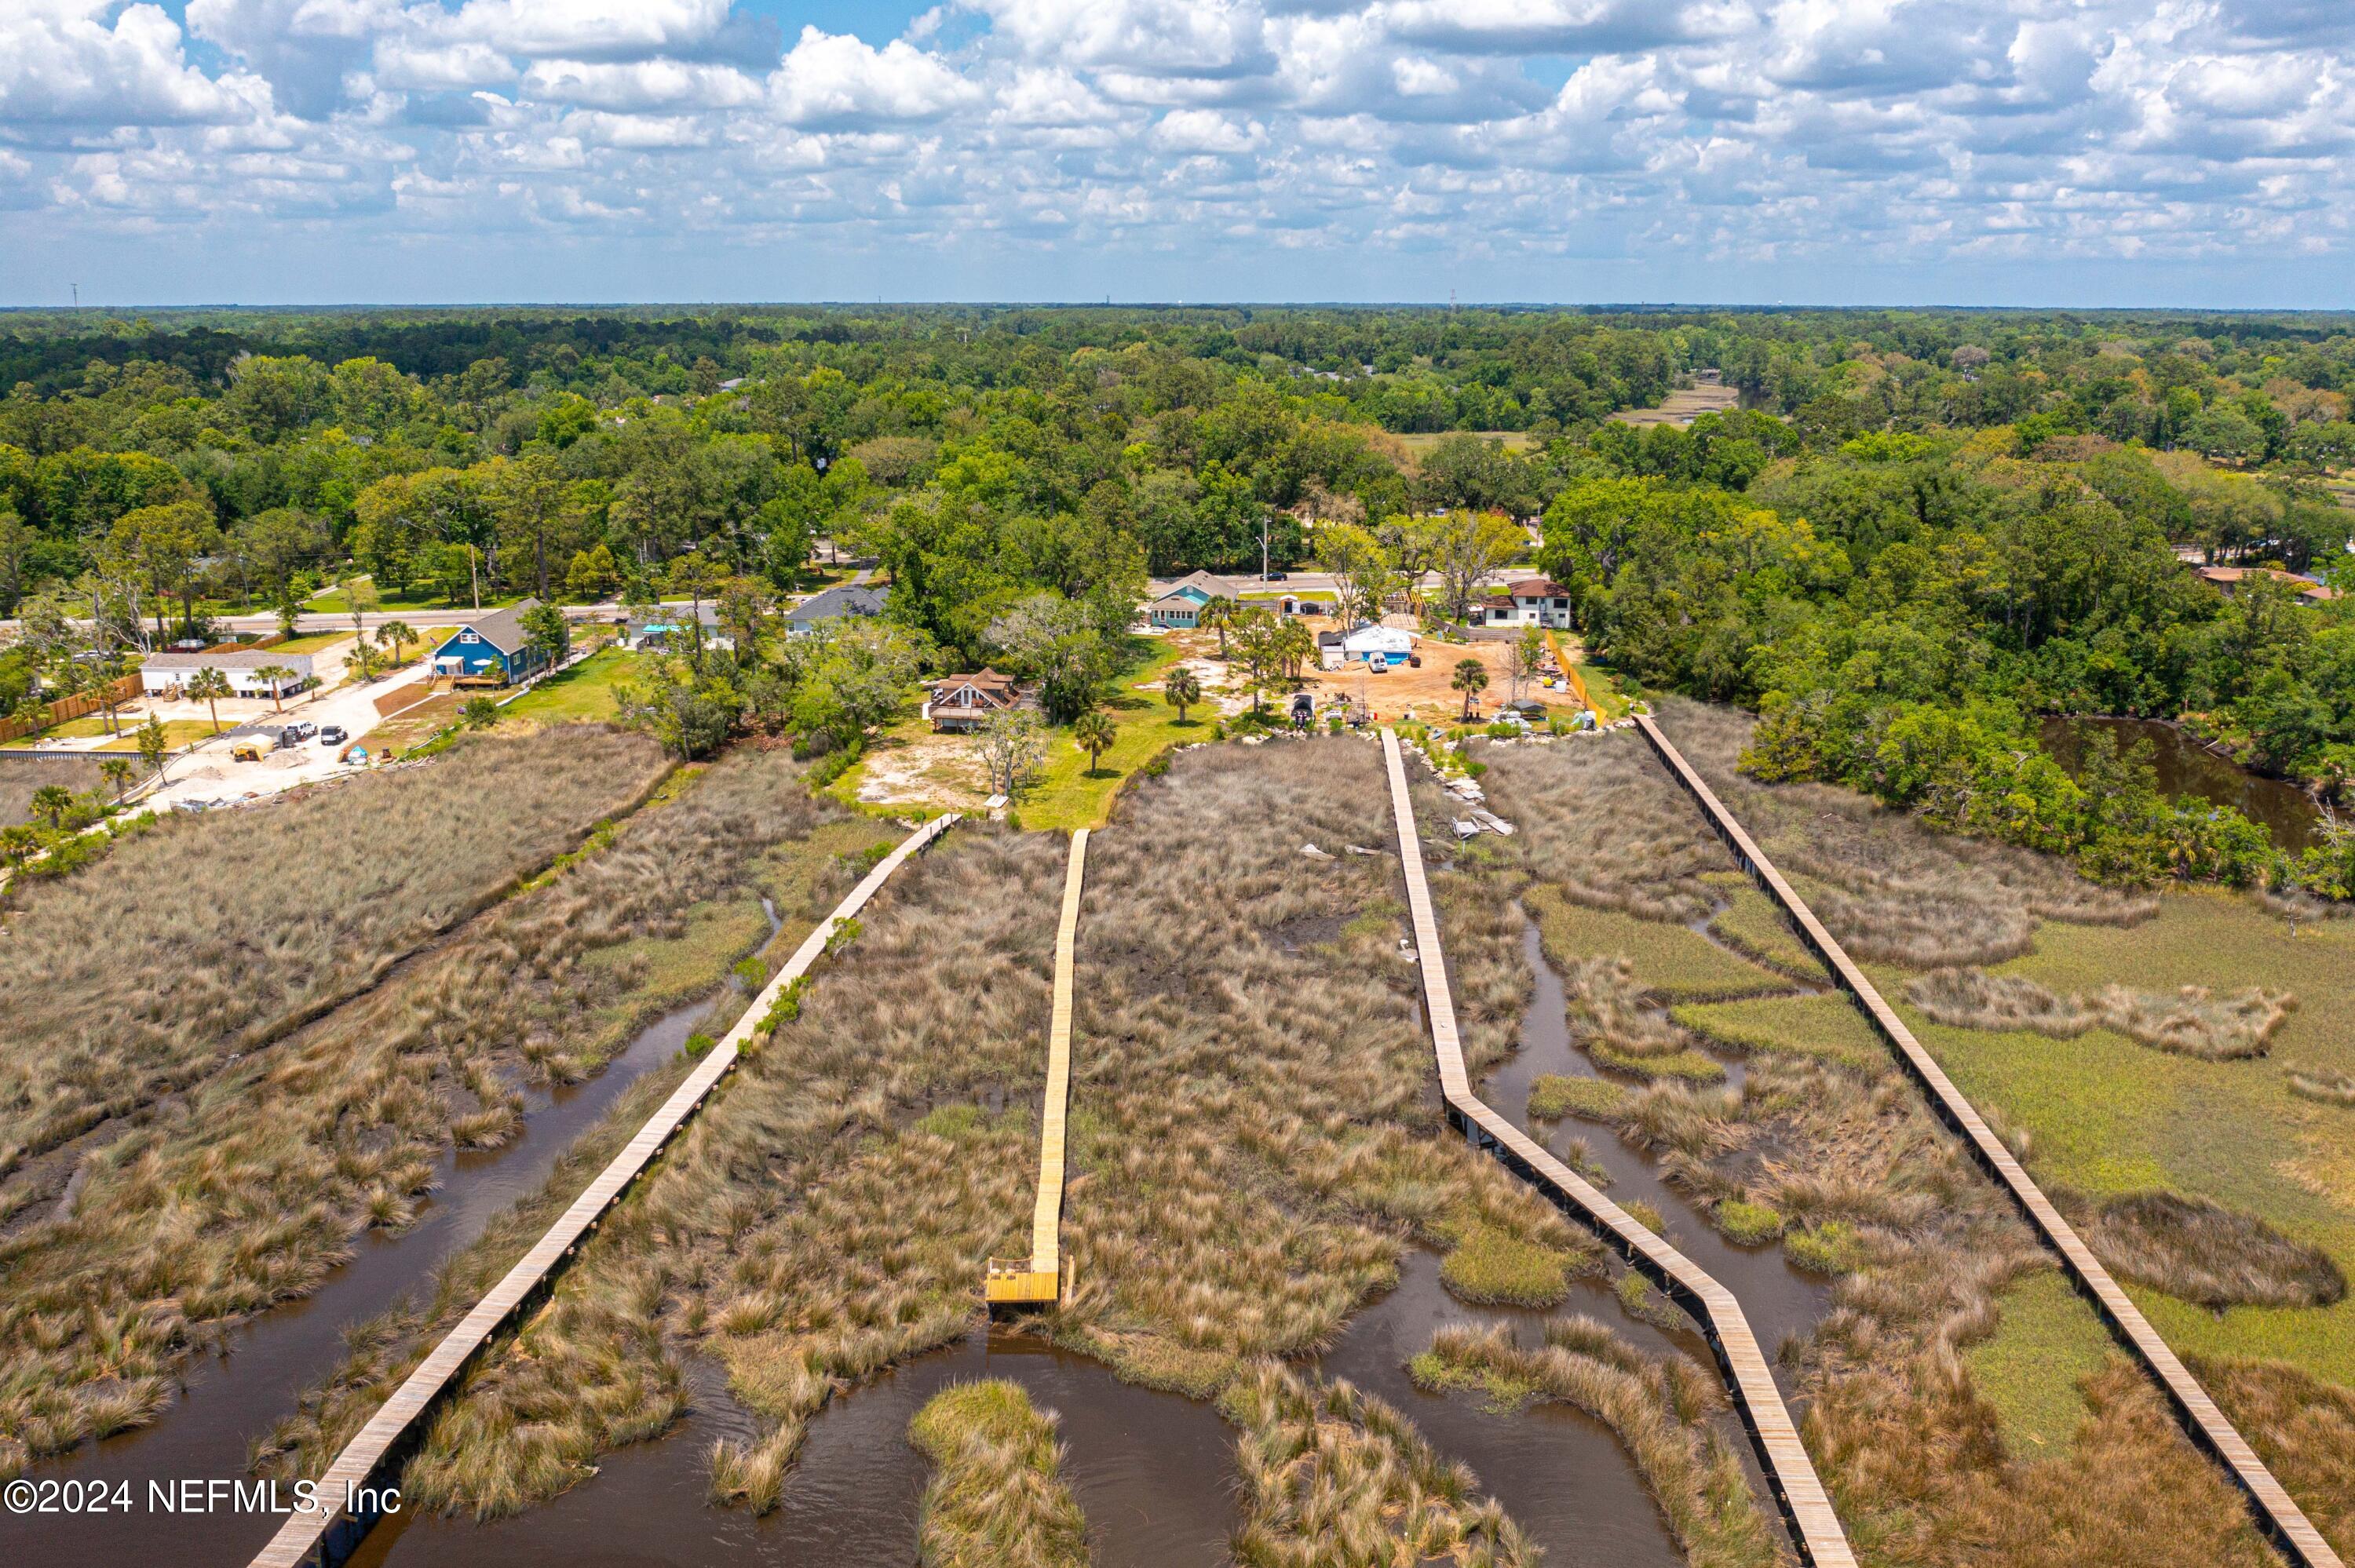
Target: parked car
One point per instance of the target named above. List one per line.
(299, 731)
(1274, 577)
(333, 735)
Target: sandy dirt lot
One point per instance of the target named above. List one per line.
(1683, 407)
(1425, 691)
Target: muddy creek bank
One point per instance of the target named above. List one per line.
(226, 1402)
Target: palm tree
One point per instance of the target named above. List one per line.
(210, 686)
(1219, 612)
(1182, 689)
(399, 633)
(274, 674)
(1471, 679)
(116, 771)
(1094, 732)
(53, 802)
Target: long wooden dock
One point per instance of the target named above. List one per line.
(1815, 1527)
(321, 1539)
(1038, 1280)
(2275, 1512)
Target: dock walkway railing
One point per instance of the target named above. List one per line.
(1798, 1491)
(322, 1538)
(2275, 1512)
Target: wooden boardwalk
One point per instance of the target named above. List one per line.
(1039, 1279)
(326, 1539)
(1815, 1527)
(2275, 1512)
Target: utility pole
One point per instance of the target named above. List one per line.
(77, 288)
(1262, 547)
(474, 576)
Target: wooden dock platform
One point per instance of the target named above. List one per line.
(1815, 1527)
(2276, 1513)
(1038, 1280)
(323, 1540)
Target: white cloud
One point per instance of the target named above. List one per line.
(1905, 131)
(834, 80)
(62, 62)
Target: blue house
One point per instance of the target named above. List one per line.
(1182, 605)
(490, 651)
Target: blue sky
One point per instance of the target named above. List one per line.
(1817, 152)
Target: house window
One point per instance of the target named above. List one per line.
(468, 637)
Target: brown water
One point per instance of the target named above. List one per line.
(2189, 771)
(228, 1400)
(1780, 1301)
(1154, 1473)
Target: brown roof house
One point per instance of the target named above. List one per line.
(965, 702)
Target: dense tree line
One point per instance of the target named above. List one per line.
(1916, 519)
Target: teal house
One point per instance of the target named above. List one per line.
(1182, 605)
(490, 651)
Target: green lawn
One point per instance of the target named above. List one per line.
(309, 642)
(1828, 1026)
(430, 600)
(1067, 794)
(177, 733)
(583, 694)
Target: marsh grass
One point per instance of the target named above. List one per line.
(996, 1497)
(2325, 1088)
(1753, 924)
(1554, 1096)
(1671, 962)
(1875, 1193)
(2192, 1020)
(248, 1191)
(2209, 1254)
(1251, 1141)
(1333, 1477)
(205, 938)
(1659, 1409)
(1889, 888)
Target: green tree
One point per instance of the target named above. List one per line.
(592, 577)
(1093, 732)
(209, 687)
(1471, 678)
(154, 749)
(1365, 570)
(53, 802)
(547, 633)
(274, 674)
(396, 635)
(1182, 690)
(1220, 612)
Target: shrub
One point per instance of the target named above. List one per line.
(1829, 1248)
(2210, 1256)
(2330, 1089)
(1491, 1266)
(1553, 1096)
(697, 1043)
(1746, 1223)
(996, 1495)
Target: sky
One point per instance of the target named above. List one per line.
(2085, 153)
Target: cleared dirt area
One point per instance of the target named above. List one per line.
(1425, 693)
(1685, 405)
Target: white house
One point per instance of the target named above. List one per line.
(170, 673)
(1532, 601)
(1378, 644)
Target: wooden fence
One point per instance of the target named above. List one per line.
(66, 708)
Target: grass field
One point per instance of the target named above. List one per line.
(1067, 793)
(583, 692)
(177, 733)
(1671, 962)
(310, 641)
(2047, 1342)
(2106, 1116)
(332, 602)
